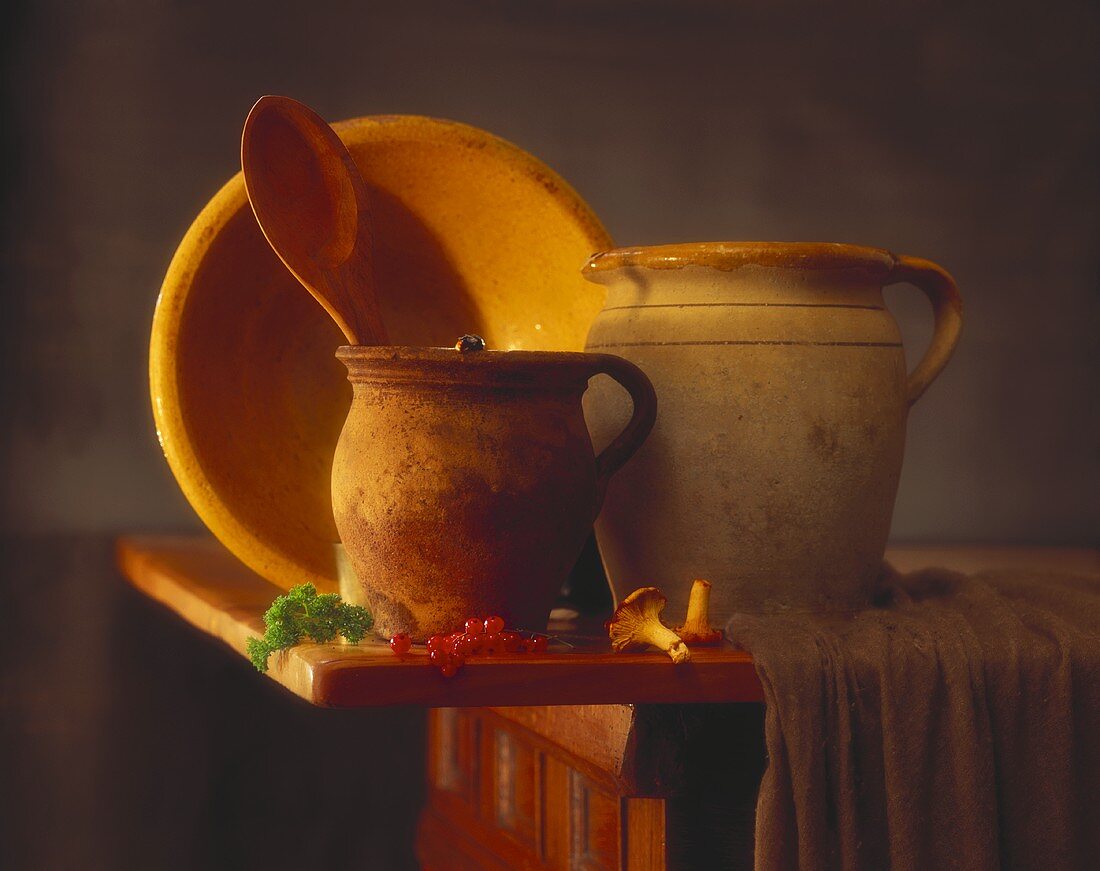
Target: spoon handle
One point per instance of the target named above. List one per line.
(353, 280)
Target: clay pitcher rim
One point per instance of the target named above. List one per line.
(532, 370)
(728, 256)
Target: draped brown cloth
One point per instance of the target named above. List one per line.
(956, 724)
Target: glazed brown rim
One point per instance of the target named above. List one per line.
(727, 256)
(393, 364)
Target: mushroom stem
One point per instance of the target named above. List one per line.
(698, 615)
(696, 628)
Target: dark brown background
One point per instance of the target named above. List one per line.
(961, 132)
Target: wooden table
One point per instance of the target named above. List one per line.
(582, 760)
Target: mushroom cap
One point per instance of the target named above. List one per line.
(640, 608)
(648, 600)
(637, 622)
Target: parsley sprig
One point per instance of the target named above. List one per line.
(303, 613)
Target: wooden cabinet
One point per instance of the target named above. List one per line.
(583, 781)
(591, 788)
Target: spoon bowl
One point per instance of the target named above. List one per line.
(312, 206)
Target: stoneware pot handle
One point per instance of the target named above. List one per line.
(644, 397)
(942, 292)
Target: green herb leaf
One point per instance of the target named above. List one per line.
(355, 622)
(302, 613)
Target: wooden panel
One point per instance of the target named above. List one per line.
(645, 834)
(442, 846)
(517, 783)
(632, 750)
(583, 820)
(555, 815)
(595, 833)
(455, 747)
(503, 814)
(594, 735)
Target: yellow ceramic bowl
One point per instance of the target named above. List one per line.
(471, 235)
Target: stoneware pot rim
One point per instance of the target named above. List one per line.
(405, 363)
(727, 256)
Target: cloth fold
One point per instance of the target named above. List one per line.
(955, 724)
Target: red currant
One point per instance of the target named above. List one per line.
(538, 644)
(438, 657)
(449, 669)
(511, 641)
(436, 642)
(494, 625)
(475, 626)
(400, 643)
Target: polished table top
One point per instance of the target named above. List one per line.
(203, 583)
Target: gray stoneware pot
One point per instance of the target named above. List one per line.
(783, 397)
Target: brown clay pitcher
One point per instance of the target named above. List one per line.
(465, 484)
(773, 467)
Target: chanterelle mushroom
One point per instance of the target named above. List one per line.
(637, 622)
(696, 628)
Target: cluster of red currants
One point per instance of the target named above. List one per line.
(486, 637)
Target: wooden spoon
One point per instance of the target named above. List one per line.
(311, 202)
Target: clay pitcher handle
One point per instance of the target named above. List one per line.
(942, 292)
(644, 397)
